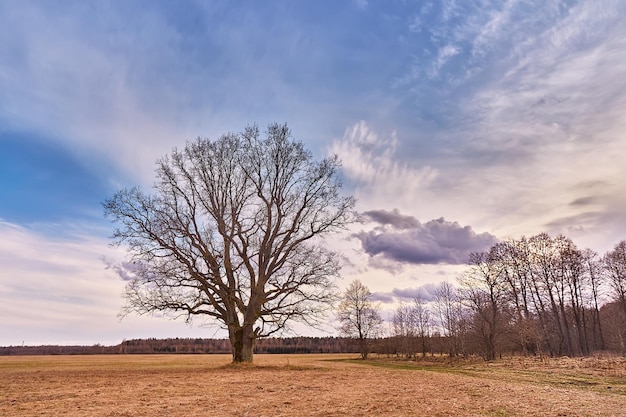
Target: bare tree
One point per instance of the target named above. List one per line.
(232, 232)
(549, 287)
(421, 315)
(513, 256)
(593, 267)
(483, 288)
(572, 267)
(359, 316)
(450, 316)
(404, 329)
(615, 267)
(411, 327)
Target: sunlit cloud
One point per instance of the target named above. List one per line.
(370, 162)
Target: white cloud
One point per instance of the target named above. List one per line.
(552, 122)
(126, 95)
(443, 56)
(544, 114)
(416, 24)
(489, 32)
(370, 162)
(81, 90)
(58, 291)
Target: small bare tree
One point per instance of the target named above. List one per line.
(483, 288)
(615, 267)
(423, 324)
(404, 330)
(449, 315)
(359, 316)
(232, 232)
(411, 327)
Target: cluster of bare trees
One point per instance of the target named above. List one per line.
(422, 327)
(533, 295)
(411, 326)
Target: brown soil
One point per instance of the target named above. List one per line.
(306, 385)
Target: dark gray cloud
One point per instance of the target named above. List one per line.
(583, 201)
(409, 241)
(393, 218)
(425, 292)
(383, 297)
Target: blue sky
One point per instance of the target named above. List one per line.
(458, 123)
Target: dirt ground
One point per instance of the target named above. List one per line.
(305, 385)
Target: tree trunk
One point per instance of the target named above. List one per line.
(242, 344)
(363, 347)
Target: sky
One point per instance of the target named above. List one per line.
(459, 123)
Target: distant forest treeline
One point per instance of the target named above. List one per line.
(191, 345)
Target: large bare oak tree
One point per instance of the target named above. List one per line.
(232, 231)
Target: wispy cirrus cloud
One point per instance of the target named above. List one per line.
(105, 79)
(79, 81)
(54, 289)
(535, 93)
(444, 55)
(54, 285)
(555, 110)
(370, 162)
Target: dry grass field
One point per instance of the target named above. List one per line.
(307, 385)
